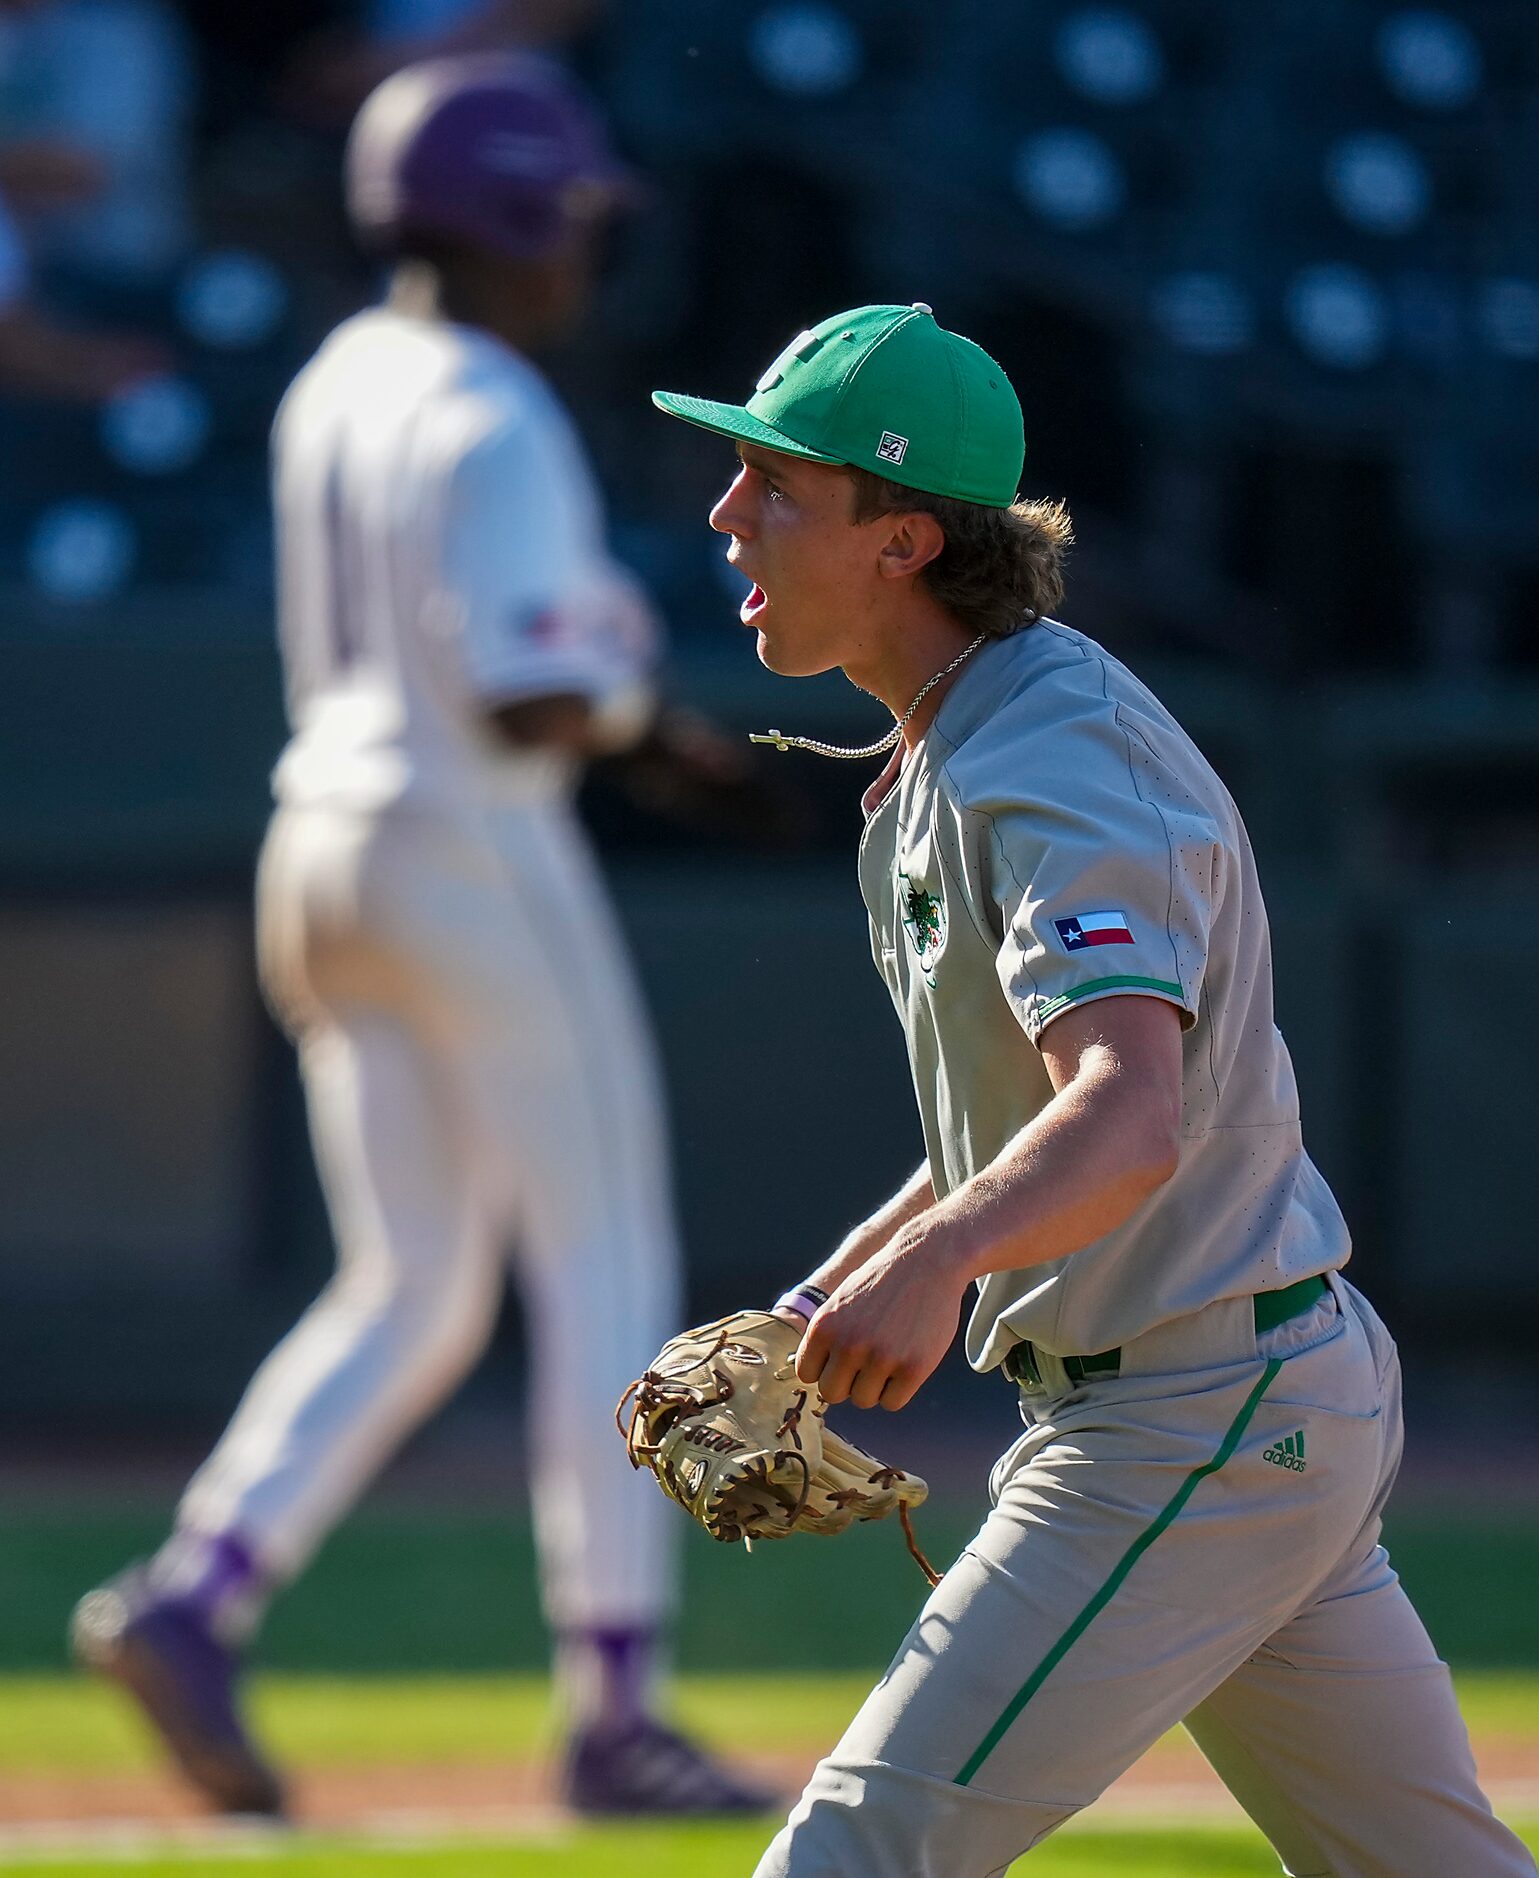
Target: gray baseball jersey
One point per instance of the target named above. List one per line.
(1058, 838)
(1193, 1532)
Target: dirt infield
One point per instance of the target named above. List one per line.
(519, 1796)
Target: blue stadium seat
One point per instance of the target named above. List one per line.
(1087, 130)
(814, 83)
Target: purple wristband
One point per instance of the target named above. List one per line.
(803, 1299)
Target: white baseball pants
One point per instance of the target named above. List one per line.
(481, 1085)
(1201, 1543)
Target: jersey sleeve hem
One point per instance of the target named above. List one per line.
(1040, 1012)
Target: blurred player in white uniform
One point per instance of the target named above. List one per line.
(478, 1070)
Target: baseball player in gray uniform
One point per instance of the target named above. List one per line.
(477, 1065)
(1065, 909)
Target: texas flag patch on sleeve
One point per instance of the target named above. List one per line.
(1094, 929)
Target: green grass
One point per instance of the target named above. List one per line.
(67, 1723)
(441, 1590)
(448, 1590)
(58, 1724)
(62, 1724)
(417, 1639)
(696, 1852)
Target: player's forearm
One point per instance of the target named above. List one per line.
(1081, 1168)
(911, 1200)
(914, 1197)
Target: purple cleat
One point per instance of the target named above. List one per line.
(640, 1766)
(162, 1652)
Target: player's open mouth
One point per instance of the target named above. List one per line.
(753, 605)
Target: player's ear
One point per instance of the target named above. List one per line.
(913, 541)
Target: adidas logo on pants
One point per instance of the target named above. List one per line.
(1288, 1452)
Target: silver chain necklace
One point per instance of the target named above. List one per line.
(782, 742)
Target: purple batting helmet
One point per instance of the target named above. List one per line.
(497, 150)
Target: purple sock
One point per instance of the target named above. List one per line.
(216, 1575)
(606, 1674)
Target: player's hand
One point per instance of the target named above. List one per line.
(883, 1333)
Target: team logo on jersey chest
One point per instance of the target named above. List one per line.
(924, 920)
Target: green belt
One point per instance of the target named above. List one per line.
(1271, 1308)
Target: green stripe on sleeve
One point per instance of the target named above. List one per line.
(1119, 1572)
(1054, 1005)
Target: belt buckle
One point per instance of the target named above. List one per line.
(1021, 1364)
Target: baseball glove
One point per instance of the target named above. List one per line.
(730, 1433)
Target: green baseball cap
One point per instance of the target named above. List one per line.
(888, 390)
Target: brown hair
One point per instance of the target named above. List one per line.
(1000, 570)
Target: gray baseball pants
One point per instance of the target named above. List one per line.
(1196, 1538)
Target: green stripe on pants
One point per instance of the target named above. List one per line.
(1119, 1572)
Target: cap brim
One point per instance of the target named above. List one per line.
(733, 420)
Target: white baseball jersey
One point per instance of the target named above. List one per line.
(441, 550)
(434, 932)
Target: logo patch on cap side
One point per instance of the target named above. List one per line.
(801, 347)
(892, 449)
